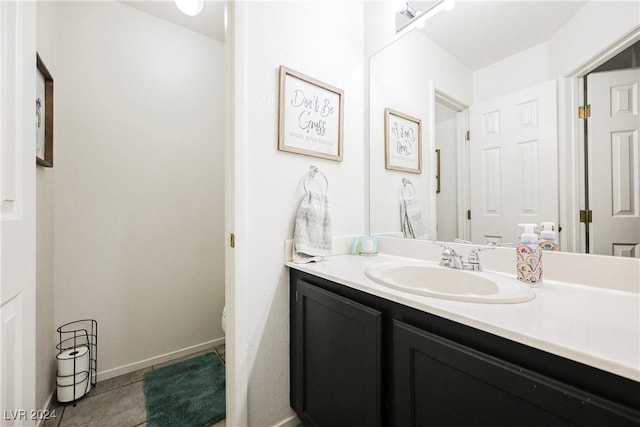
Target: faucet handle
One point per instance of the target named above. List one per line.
(447, 252)
(442, 245)
(448, 257)
(474, 258)
(446, 249)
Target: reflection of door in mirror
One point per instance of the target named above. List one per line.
(614, 179)
(447, 198)
(513, 163)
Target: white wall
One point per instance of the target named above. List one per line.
(524, 69)
(404, 80)
(139, 182)
(323, 40)
(45, 210)
(379, 26)
(594, 28)
(590, 31)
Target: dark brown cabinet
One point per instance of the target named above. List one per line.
(360, 360)
(438, 382)
(337, 366)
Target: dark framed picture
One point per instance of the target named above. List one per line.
(44, 115)
(310, 116)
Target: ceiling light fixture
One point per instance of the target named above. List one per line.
(190, 7)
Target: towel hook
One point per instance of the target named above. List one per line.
(312, 174)
(405, 183)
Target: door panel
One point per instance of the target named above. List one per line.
(337, 361)
(513, 163)
(438, 382)
(614, 156)
(17, 198)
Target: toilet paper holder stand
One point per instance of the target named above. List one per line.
(76, 335)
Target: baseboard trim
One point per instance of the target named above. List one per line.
(46, 408)
(125, 369)
(292, 421)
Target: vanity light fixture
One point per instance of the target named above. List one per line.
(422, 17)
(190, 7)
(403, 8)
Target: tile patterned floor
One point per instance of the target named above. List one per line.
(117, 402)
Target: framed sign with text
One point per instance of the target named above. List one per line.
(310, 116)
(402, 142)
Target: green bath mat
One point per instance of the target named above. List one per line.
(189, 393)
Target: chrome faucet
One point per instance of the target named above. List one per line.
(473, 260)
(451, 259)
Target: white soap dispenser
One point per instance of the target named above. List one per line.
(529, 257)
(548, 241)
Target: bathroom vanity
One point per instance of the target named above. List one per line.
(362, 355)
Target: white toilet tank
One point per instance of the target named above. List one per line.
(224, 319)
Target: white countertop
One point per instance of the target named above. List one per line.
(597, 327)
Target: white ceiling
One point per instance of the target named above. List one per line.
(209, 22)
(477, 32)
(480, 33)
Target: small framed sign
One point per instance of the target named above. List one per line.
(310, 116)
(44, 115)
(402, 142)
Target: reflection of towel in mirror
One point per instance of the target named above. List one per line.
(312, 234)
(411, 218)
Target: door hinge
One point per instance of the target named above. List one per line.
(584, 111)
(232, 240)
(586, 216)
(468, 136)
(469, 214)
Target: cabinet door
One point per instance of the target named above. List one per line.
(441, 383)
(337, 360)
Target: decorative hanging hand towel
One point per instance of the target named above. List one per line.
(312, 234)
(411, 218)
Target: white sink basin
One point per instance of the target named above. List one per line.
(431, 280)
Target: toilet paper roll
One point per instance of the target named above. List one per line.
(66, 359)
(66, 387)
(73, 360)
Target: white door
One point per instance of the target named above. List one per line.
(513, 163)
(614, 162)
(462, 174)
(446, 132)
(17, 232)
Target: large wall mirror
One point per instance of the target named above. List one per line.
(498, 88)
